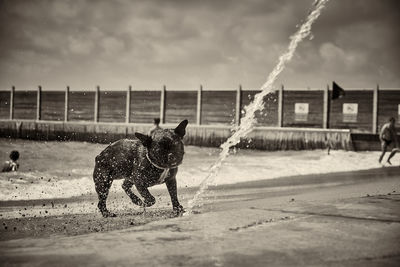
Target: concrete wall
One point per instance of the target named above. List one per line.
(210, 136)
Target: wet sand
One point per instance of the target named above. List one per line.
(340, 219)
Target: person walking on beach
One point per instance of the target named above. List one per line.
(11, 165)
(155, 127)
(388, 138)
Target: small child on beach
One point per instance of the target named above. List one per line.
(11, 165)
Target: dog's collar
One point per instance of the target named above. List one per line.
(154, 164)
(165, 172)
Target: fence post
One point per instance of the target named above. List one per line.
(325, 124)
(38, 102)
(96, 104)
(162, 105)
(375, 110)
(66, 104)
(199, 98)
(128, 104)
(280, 106)
(12, 92)
(238, 105)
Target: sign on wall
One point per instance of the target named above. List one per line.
(300, 111)
(350, 111)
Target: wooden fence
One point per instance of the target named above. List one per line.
(361, 110)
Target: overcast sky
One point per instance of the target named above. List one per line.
(217, 43)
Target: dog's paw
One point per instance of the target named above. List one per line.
(179, 209)
(149, 202)
(107, 214)
(137, 201)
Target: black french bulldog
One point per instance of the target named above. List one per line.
(143, 162)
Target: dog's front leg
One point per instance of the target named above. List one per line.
(149, 200)
(127, 185)
(172, 190)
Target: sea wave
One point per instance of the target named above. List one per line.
(241, 167)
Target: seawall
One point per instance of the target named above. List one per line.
(263, 138)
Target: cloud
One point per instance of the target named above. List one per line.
(80, 45)
(185, 43)
(66, 9)
(112, 45)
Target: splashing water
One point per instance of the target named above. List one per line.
(248, 121)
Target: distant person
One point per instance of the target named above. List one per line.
(155, 127)
(388, 137)
(11, 165)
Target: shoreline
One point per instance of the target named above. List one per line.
(22, 217)
(44, 174)
(293, 180)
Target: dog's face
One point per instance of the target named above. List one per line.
(165, 147)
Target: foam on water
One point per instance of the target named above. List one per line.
(247, 123)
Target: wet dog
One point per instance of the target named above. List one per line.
(143, 162)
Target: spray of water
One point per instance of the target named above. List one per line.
(248, 121)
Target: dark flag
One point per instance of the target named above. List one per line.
(337, 91)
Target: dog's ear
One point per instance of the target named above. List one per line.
(145, 139)
(181, 129)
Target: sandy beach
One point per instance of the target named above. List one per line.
(340, 219)
(287, 208)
